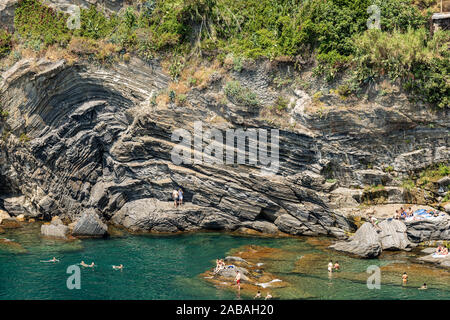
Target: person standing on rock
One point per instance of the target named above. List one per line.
(175, 197)
(180, 197)
(238, 279)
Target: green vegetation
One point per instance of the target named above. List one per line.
(24, 138)
(240, 95)
(333, 31)
(5, 43)
(389, 169)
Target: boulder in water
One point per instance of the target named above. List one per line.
(10, 223)
(363, 243)
(393, 235)
(55, 230)
(89, 225)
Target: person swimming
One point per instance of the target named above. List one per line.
(268, 296)
(83, 264)
(258, 295)
(423, 287)
(119, 267)
(51, 260)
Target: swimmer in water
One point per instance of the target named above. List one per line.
(423, 287)
(258, 295)
(336, 266)
(51, 260)
(405, 277)
(330, 266)
(82, 263)
(268, 296)
(119, 267)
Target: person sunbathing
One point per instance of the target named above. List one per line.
(439, 249)
(444, 251)
(410, 212)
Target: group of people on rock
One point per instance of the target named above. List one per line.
(220, 264)
(441, 250)
(177, 197)
(403, 214)
(407, 213)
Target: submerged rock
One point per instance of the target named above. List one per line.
(89, 225)
(4, 215)
(10, 223)
(441, 261)
(364, 243)
(55, 230)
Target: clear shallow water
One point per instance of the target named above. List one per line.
(168, 267)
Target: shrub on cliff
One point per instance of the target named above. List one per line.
(35, 21)
(5, 43)
(422, 65)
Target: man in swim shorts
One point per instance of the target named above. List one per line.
(175, 198)
(238, 279)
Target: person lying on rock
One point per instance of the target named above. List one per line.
(439, 249)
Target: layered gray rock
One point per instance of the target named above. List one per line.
(89, 225)
(364, 243)
(97, 140)
(430, 229)
(441, 261)
(393, 235)
(55, 230)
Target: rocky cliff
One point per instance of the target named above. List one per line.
(84, 137)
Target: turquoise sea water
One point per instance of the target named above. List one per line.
(169, 267)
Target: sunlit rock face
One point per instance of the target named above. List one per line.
(83, 138)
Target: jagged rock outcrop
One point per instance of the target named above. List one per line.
(393, 235)
(89, 225)
(364, 243)
(431, 229)
(85, 137)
